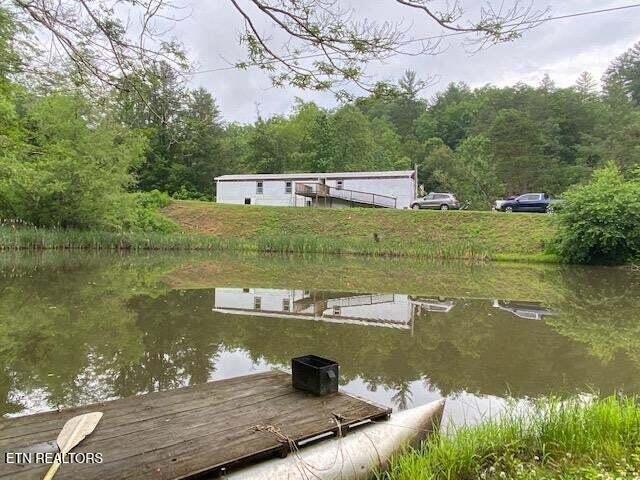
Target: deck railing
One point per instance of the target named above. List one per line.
(320, 190)
(360, 300)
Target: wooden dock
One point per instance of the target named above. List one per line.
(188, 432)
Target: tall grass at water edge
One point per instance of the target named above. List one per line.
(554, 439)
(31, 238)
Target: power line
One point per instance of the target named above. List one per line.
(434, 37)
(537, 22)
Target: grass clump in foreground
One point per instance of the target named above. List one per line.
(553, 440)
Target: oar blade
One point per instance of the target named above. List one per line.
(76, 429)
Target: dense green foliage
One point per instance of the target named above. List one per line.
(625, 72)
(71, 159)
(184, 132)
(555, 439)
(600, 221)
(65, 162)
(481, 143)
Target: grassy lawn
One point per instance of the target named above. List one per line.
(372, 231)
(556, 440)
(355, 231)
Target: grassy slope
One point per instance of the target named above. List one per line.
(400, 232)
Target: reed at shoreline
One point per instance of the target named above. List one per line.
(570, 439)
(32, 238)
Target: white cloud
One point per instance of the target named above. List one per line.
(563, 49)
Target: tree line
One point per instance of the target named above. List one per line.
(481, 143)
(72, 157)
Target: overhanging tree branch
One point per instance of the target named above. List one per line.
(317, 44)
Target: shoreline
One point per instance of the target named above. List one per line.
(38, 239)
(480, 236)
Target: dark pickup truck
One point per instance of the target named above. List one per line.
(528, 202)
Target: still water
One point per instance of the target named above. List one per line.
(77, 328)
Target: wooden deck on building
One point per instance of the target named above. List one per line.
(188, 432)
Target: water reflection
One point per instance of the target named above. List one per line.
(369, 309)
(82, 331)
(526, 310)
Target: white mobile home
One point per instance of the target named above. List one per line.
(395, 189)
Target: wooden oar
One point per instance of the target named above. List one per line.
(73, 432)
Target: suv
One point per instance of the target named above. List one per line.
(439, 201)
(528, 202)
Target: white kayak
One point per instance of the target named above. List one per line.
(354, 456)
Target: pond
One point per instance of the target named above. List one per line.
(77, 328)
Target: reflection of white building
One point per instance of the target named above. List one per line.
(388, 310)
(431, 305)
(526, 310)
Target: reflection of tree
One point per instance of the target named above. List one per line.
(103, 328)
(180, 346)
(475, 347)
(600, 309)
(48, 343)
(403, 397)
(66, 329)
(7, 405)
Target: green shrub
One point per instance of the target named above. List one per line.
(188, 194)
(152, 199)
(600, 221)
(64, 162)
(139, 212)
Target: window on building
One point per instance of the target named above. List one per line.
(336, 310)
(257, 303)
(247, 201)
(339, 184)
(245, 290)
(287, 187)
(285, 305)
(259, 188)
(531, 197)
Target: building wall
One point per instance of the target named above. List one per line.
(403, 188)
(273, 193)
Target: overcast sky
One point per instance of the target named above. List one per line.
(563, 49)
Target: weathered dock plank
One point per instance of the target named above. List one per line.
(188, 432)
